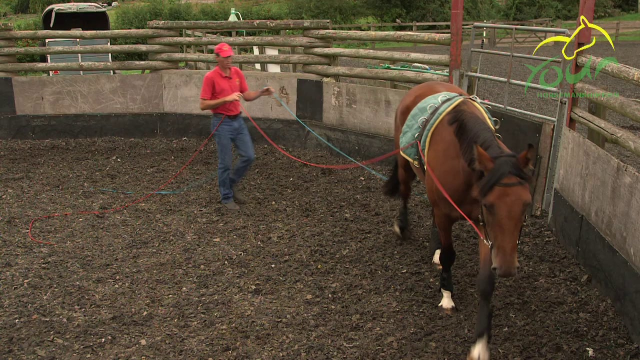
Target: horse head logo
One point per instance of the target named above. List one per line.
(567, 40)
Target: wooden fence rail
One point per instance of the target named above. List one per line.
(421, 38)
(416, 58)
(90, 49)
(242, 41)
(619, 104)
(620, 71)
(167, 45)
(89, 66)
(533, 22)
(6, 43)
(599, 130)
(612, 133)
(401, 24)
(76, 34)
(242, 25)
(374, 74)
(247, 59)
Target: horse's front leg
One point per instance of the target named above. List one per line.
(447, 258)
(485, 285)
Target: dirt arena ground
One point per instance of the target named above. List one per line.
(309, 269)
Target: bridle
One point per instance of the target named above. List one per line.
(481, 217)
(486, 238)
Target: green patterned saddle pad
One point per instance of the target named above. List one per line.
(432, 109)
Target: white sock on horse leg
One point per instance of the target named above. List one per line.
(436, 257)
(480, 350)
(446, 302)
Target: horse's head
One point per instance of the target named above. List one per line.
(504, 195)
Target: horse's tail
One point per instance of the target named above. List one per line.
(391, 187)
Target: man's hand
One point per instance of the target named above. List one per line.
(233, 97)
(252, 95)
(267, 91)
(212, 104)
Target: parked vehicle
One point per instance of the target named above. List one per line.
(77, 17)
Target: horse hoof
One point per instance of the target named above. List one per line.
(449, 311)
(396, 230)
(446, 304)
(399, 232)
(480, 350)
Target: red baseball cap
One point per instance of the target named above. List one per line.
(223, 49)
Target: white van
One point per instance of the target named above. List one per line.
(76, 16)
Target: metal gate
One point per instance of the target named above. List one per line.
(561, 110)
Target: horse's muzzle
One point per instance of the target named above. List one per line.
(505, 271)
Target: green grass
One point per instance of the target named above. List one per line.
(629, 36)
(625, 17)
(23, 21)
(571, 24)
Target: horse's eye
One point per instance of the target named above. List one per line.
(488, 207)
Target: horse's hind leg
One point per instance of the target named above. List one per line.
(400, 183)
(405, 177)
(435, 244)
(447, 258)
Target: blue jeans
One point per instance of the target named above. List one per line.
(232, 132)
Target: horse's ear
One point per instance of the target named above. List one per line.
(483, 162)
(526, 157)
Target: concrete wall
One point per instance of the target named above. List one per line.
(604, 190)
(361, 108)
(170, 91)
(348, 106)
(182, 91)
(594, 215)
(88, 94)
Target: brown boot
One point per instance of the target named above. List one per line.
(231, 205)
(238, 198)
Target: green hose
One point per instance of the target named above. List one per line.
(407, 68)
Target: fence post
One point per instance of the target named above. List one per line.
(559, 23)
(262, 50)
(492, 38)
(7, 43)
(415, 29)
(373, 43)
(601, 112)
(176, 49)
(587, 9)
(455, 49)
(618, 29)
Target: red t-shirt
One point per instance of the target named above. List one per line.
(217, 85)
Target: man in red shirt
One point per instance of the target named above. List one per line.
(222, 89)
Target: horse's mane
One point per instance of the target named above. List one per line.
(471, 130)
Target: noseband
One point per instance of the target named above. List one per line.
(487, 239)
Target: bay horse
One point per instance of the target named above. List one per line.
(488, 183)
